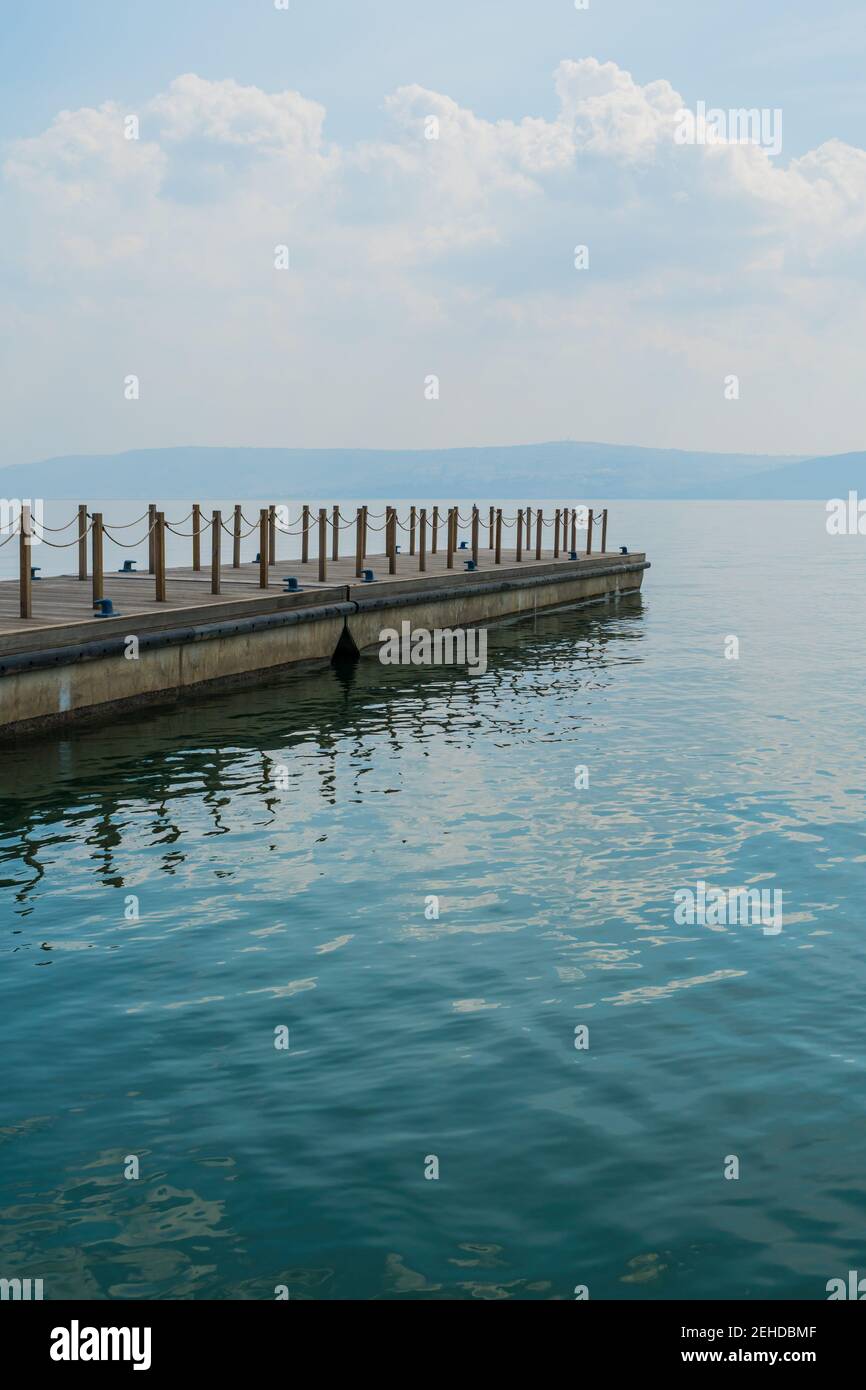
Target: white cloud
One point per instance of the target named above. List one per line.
(412, 255)
(82, 155)
(227, 113)
(824, 191)
(611, 115)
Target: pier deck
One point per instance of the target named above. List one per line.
(63, 603)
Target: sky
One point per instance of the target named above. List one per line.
(431, 295)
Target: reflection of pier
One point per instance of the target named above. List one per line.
(178, 628)
(156, 781)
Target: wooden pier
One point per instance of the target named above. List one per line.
(106, 636)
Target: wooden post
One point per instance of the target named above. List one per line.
(449, 562)
(412, 523)
(263, 548)
(422, 540)
(490, 522)
(497, 554)
(589, 533)
(82, 541)
(216, 528)
(359, 542)
(519, 551)
(323, 544)
(272, 534)
(305, 535)
(236, 538)
(335, 528)
(528, 530)
(196, 536)
(159, 557)
(151, 543)
(539, 528)
(556, 534)
(25, 583)
(475, 522)
(434, 540)
(604, 531)
(565, 528)
(96, 555)
(574, 529)
(391, 538)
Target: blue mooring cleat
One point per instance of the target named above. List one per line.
(106, 608)
(291, 584)
(128, 567)
(572, 554)
(368, 577)
(464, 545)
(34, 571)
(470, 565)
(623, 550)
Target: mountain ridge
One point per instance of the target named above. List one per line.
(568, 468)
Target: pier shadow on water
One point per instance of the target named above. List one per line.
(205, 751)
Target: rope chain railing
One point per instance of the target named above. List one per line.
(425, 527)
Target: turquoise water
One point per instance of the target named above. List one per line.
(409, 1036)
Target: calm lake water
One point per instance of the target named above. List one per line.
(409, 1036)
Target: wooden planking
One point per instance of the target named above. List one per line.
(63, 601)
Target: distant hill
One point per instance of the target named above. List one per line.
(833, 476)
(566, 470)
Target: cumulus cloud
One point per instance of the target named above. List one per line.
(821, 195)
(609, 114)
(83, 155)
(220, 142)
(413, 253)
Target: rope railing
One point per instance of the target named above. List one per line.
(231, 532)
(55, 545)
(125, 545)
(187, 534)
(43, 527)
(125, 525)
(430, 531)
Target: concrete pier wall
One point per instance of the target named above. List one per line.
(469, 603)
(75, 673)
